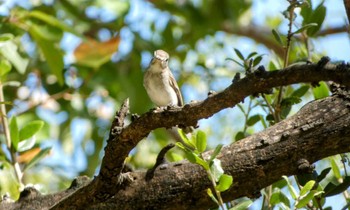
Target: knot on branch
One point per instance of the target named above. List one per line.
(236, 77)
(29, 193)
(323, 61)
(260, 71)
(341, 91)
(304, 166)
(79, 182)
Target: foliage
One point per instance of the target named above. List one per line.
(65, 66)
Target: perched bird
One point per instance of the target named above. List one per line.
(161, 85)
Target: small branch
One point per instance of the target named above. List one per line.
(5, 124)
(347, 9)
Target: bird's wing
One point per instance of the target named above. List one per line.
(173, 84)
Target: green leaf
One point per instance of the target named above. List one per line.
(53, 22)
(335, 168)
(239, 54)
(308, 186)
(257, 60)
(279, 197)
(306, 199)
(321, 91)
(240, 135)
(332, 189)
(253, 119)
(6, 37)
(304, 178)
(30, 129)
(5, 67)
(287, 102)
(9, 51)
(37, 158)
(291, 189)
(225, 183)
(211, 195)
(52, 54)
(323, 174)
(14, 133)
(318, 16)
(216, 169)
(242, 205)
(185, 139)
(26, 144)
(201, 141)
(215, 153)
(303, 28)
(300, 92)
(251, 55)
(194, 158)
(237, 62)
(277, 36)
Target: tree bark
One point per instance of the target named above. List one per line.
(318, 130)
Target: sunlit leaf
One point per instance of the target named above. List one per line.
(308, 186)
(321, 91)
(291, 189)
(216, 169)
(30, 129)
(37, 158)
(335, 168)
(14, 134)
(94, 54)
(211, 195)
(185, 139)
(5, 67)
(279, 197)
(306, 199)
(6, 37)
(9, 50)
(225, 183)
(215, 153)
(201, 141)
(27, 156)
(244, 205)
(26, 144)
(194, 158)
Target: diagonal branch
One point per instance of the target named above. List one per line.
(110, 182)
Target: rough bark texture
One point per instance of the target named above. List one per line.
(320, 129)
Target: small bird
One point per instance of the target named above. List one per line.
(160, 83)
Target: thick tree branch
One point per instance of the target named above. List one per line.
(318, 130)
(248, 156)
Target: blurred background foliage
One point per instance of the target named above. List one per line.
(71, 63)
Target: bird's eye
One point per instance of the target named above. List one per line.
(167, 59)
